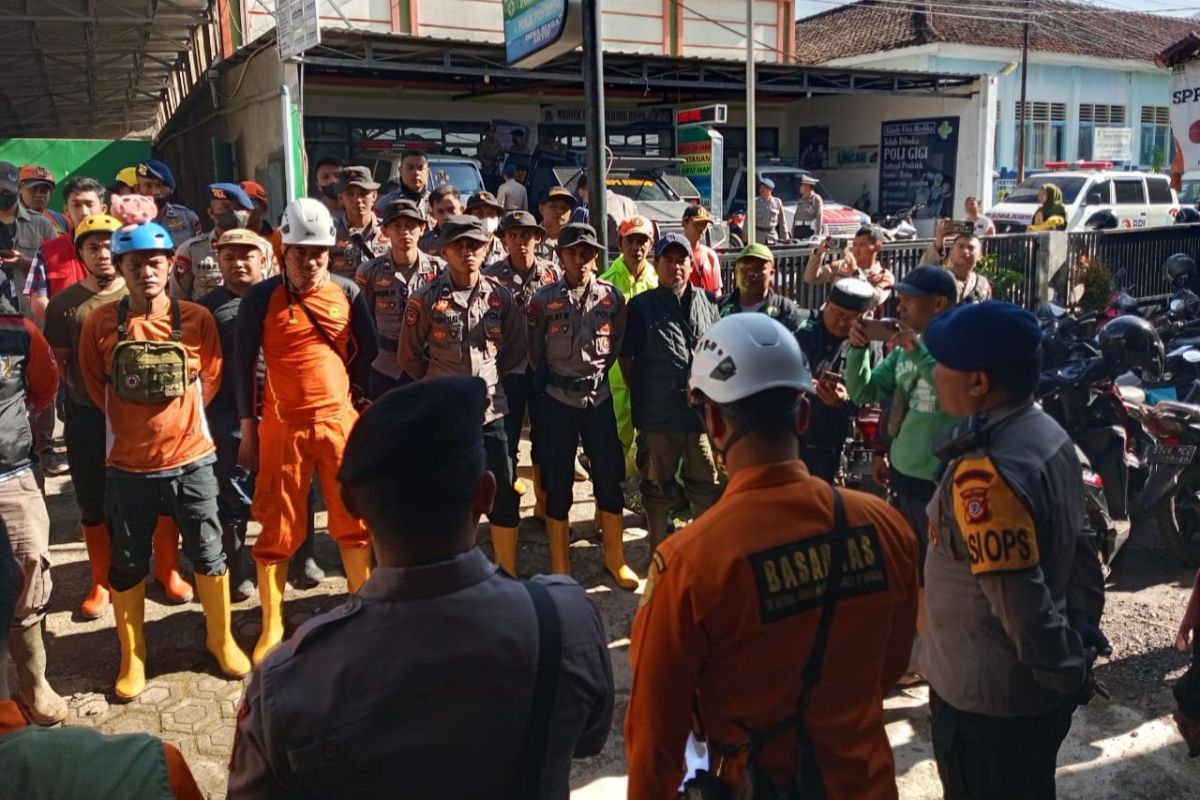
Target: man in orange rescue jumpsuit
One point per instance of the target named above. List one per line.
(728, 623)
(318, 341)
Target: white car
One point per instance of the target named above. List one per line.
(1137, 199)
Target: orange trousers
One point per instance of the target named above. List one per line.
(287, 456)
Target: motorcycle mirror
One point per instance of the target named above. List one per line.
(1176, 304)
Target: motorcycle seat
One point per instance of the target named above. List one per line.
(1132, 394)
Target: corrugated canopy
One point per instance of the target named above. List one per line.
(95, 68)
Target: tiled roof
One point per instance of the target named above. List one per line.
(874, 26)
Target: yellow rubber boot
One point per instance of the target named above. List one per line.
(166, 562)
(357, 563)
(558, 531)
(129, 611)
(613, 527)
(271, 580)
(214, 598)
(539, 495)
(504, 545)
(99, 550)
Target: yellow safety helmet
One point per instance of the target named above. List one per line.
(128, 176)
(97, 223)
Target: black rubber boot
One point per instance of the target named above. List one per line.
(233, 541)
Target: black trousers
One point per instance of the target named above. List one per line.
(910, 496)
(84, 435)
(997, 758)
(560, 429)
(133, 504)
(506, 508)
(235, 491)
(378, 384)
(522, 397)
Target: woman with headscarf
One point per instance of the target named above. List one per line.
(1052, 214)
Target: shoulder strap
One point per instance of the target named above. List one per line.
(545, 688)
(812, 669)
(122, 318)
(176, 321)
(312, 318)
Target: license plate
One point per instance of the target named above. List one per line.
(1179, 454)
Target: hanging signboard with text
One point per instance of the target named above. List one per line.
(1112, 144)
(703, 152)
(917, 162)
(1185, 114)
(536, 31)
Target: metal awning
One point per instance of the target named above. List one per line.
(479, 70)
(97, 68)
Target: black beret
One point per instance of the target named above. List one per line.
(981, 336)
(853, 294)
(417, 428)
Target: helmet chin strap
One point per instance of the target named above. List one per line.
(736, 434)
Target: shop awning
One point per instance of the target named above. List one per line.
(97, 68)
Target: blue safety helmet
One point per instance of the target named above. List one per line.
(146, 236)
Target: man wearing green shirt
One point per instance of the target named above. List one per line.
(905, 379)
(632, 274)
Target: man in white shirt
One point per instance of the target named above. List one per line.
(983, 226)
(512, 194)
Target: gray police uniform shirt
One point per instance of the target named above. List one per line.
(1009, 549)
(196, 270)
(770, 221)
(523, 287)
(421, 686)
(809, 211)
(356, 246)
(577, 334)
(477, 331)
(30, 231)
(180, 221)
(387, 287)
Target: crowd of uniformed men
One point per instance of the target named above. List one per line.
(212, 378)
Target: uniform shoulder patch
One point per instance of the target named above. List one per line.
(794, 577)
(996, 526)
(658, 565)
(412, 311)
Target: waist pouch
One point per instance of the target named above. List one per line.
(149, 372)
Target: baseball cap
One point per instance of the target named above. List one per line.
(519, 219)
(153, 168)
(128, 176)
(244, 237)
(636, 224)
(929, 280)
(232, 192)
(484, 200)
(356, 176)
(664, 243)
(575, 234)
(559, 193)
(36, 173)
(462, 226)
(696, 214)
(9, 179)
(981, 336)
(757, 250)
(403, 208)
(256, 191)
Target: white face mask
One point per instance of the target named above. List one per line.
(491, 223)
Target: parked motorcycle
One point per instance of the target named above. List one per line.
(899, 224)
(1172, 492)
(860, 450)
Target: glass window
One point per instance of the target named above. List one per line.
(1160, 190)
(1104, 190)
(1027, 192)
(1130, 192)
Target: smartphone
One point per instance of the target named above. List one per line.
(828, 376)
(880, 330)
(836, 246)
(960, 226)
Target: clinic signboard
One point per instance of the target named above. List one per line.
(917, 161)
(536, 31)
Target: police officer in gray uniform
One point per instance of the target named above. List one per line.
(465, 323)
(1014, 587)
(575, 331)
(770, 219)
(387, 282)
(425, 680)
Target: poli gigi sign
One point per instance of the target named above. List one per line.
(536, 31)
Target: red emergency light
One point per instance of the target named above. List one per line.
(1079, 165)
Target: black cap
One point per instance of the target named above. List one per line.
(519, 219)
(575, 234)
(853, 294)
(462, 226)
(439, 418)
(929, 280)
(484, 200)
(356, 176)
(403, 208)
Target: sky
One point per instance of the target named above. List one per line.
(1182, 8)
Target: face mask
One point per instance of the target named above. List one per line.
(329, 191)
(231, 218)
(161, 203)
(491, 223)
(7, 201)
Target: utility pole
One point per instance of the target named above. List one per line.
(1024, 115)
(751, 120)
(593, 91)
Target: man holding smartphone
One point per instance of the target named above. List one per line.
(21, 234)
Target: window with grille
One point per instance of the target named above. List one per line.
(1045, 112)
(1154, 149)
(1045, 132)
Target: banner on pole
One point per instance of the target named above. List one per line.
(1185, 113)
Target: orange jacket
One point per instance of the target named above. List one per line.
(154, 437)
(41, 370)
(727, 622)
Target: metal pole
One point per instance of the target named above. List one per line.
(289, 143)
(1024, 115)
(593, 92)
(751, 121)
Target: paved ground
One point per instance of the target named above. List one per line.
(1125, 748)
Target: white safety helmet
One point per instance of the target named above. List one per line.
(307, 222)
(744, 354)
